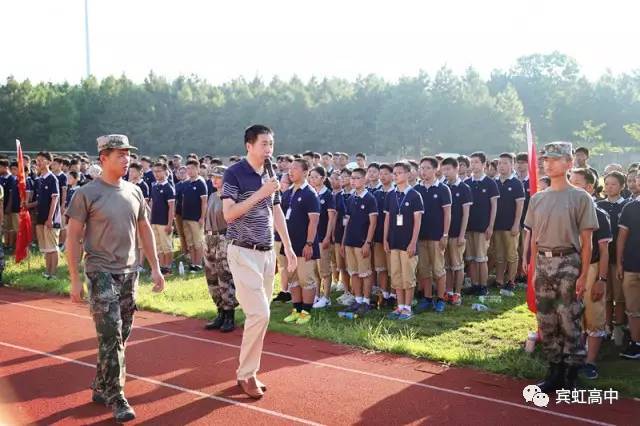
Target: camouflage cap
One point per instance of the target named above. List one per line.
(557, 150)
(217, 171)
(114, 142)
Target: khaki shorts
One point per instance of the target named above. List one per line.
(631, 287)
(430, 259)
(356, 263)
(11, 222)
(324, 263)
(47, 239)
(614, 287)
(305, 275)
(594, 319)
(477, 247)
(164, 244)
(403, 270)
(193, 233)
(380, 258)
(339, 259)
(281, 259)
(506, 246)
(454, 256)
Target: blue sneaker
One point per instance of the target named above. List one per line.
(405, 315)
(394, 315)
(353, 307)
(483, 291)
(590, 371)
(440, 305)
(424, 305)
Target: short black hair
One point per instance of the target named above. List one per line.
(74, 174)
(193, 163)
(46, 155)
(320, 170)
(620, 177)
(307, 154)
(463, 159)
(583, 149)
(374, 165)
(288, 158)
(135, 166)
(360, 170)
(546, 179)
(4, 162)
(480, 156)
(404, 164)
(327, 154)
(414, 164)
(57, 160)
(522, 156)
(508, 155)
(361, 155)
(346, 171)
(251, 133)
(163, 166)
(450, 161)
(386, 166)
(316, 156)
(304, 163)
(431, 160)
(588, 175)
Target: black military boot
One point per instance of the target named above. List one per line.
(554, 379)
(217, 322)
(572, 377)
(229, 321)
(122, 411)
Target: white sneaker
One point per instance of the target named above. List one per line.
(339, 286)
(342, 296)
(348, 300)
(322, 302)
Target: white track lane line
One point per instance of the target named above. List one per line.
(168, 385)
(336, 367)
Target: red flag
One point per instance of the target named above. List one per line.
(533, 188)
(23, 239)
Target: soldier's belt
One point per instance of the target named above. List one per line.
(557, 252)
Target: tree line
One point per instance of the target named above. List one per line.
(443, 112)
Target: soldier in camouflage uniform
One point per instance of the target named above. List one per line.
(562, 219)
(219, 278)
(107, 214)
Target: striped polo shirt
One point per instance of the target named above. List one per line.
(256, 226)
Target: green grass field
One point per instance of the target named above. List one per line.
(491, 341)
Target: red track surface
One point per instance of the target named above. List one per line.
(179, 374)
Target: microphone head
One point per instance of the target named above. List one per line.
(268, 166)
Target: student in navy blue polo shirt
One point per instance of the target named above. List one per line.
(326, 224)
(403, 214)
(628, 270)
(302, 216)
(72, 181)
(481, 222)
(48, 214)
(434, 236)
(613, 204)
(178, 184)
(56, 169)
(341, 196)
(507, 224)
(135, 177)
(362, 212)
(9, 186)
(163, 199)
(283, 294)
(381, 258)
(522, 171)
(147, 171)
(194, 210)
(251, 207)
(373, 177)
(461, 202)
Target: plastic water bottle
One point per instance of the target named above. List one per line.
(530, 344)
(490, 299)
(348, 315)
(181, 268)
(479, 307)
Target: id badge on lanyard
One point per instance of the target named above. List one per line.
(399, 219)
(287, 216)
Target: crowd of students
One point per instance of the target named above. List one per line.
(409, 236)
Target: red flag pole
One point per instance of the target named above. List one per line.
(533, 188)
(23, 239)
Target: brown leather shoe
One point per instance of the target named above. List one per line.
(251, 388)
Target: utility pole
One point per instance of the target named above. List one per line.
(86, 33)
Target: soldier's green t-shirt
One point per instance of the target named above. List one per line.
(558, 217)
(110, 214)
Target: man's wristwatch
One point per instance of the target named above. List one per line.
(308, 243)
(603, 279)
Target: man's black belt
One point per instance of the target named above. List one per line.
(557, 252)
(258, 247)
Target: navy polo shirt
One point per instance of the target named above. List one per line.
(144, 188)
(381, 199)
(284, 204)
(256, 226)
(161, 193)
(12, 187)
(527, 198)
(405, 203)
(360, 208)
(210, 188)
(614, 209)
(460, 196)
(47, 188)
(9, 184)
(70, 193)
(341, 212)
(302, 202)
(511, 190)
(192, 193)
(62, 180)
(482, 191)
(434, 199)
(630, 219)
(178, 193)
(603, 233)
(148, 177)
(327, 202)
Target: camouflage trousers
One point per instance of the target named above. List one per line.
(112, 305)
(559, 309)
(217, 273)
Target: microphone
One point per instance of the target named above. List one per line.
(268, 166)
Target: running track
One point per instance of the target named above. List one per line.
(179, 373)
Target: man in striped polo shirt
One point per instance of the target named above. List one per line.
(251, 207)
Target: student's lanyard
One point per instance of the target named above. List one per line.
(399, 204)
